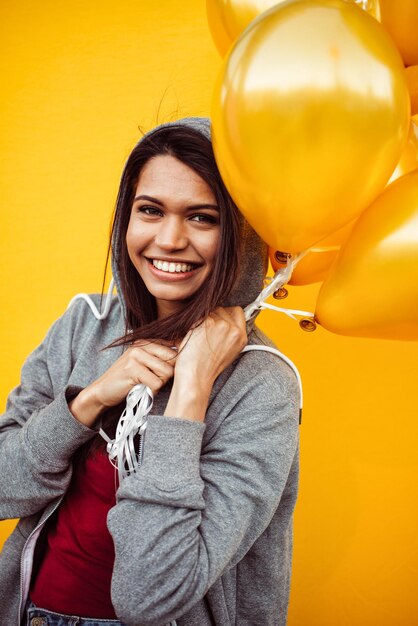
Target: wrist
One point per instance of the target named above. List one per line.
(189, 399)
(85, 407)
(187, 380)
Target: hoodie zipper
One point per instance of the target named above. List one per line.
(141, 440)
(25, 568)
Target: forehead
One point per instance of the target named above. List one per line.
(164, 174)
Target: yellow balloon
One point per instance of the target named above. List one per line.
(412, 82)
(310, 114)
(371, 6)
(228, 18)
(400, 18)
(315, 265)
(313, 268)
(372, 288)
(409, 156)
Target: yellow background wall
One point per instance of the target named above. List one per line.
(78, 79)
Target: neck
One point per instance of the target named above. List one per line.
(166, 308)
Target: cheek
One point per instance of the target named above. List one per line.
(135, 237)
(129, 241)
(212, 247)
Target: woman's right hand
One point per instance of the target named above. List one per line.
(144, 362)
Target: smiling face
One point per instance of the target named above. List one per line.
(173, 232)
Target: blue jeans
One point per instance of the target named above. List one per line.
(41, 617)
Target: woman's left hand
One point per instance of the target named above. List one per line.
(203, 354)
(211, 346)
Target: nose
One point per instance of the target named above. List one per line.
(171, 234)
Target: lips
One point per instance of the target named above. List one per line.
(171, 271)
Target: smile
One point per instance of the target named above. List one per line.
(171, 267)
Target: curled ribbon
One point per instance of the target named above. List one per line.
(121, 449)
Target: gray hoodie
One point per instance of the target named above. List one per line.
(203, 530)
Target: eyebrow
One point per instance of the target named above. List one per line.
(191, 207)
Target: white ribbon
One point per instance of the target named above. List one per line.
(121, 449)
(281, 277)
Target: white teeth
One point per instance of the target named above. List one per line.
(172, 267)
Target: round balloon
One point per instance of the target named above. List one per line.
(310, 114)
(409, 156)
(400, 18)
(372, 288)
(315, 265)
(228, 18)
(373, 7)
(412, 82)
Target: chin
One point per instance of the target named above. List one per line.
(180, 297)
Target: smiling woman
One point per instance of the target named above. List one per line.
(200, 531)
(172, 239)
(173, 207)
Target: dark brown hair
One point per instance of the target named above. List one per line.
(194, 150)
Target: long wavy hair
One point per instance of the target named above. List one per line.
(194, 150)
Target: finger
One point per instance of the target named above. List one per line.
(147, 342)
(150, 379)
(160, 367)
(165, 353)
(237, 313)
(236, 317)
(136, 358)
(222, 313)
(159, 350)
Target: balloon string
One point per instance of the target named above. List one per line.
(289, 312)
(281, 277)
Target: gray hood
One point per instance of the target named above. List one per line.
(254, 251)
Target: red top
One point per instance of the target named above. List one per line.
(75, 574)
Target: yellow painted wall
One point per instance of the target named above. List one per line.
(78, 79)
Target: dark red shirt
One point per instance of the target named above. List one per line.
(75, 574)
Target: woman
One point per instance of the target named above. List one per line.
(201, 532)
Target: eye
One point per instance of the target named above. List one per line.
(204, 218)
(152, 211)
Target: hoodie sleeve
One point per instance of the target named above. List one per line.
(190, 513)
(38, 433)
